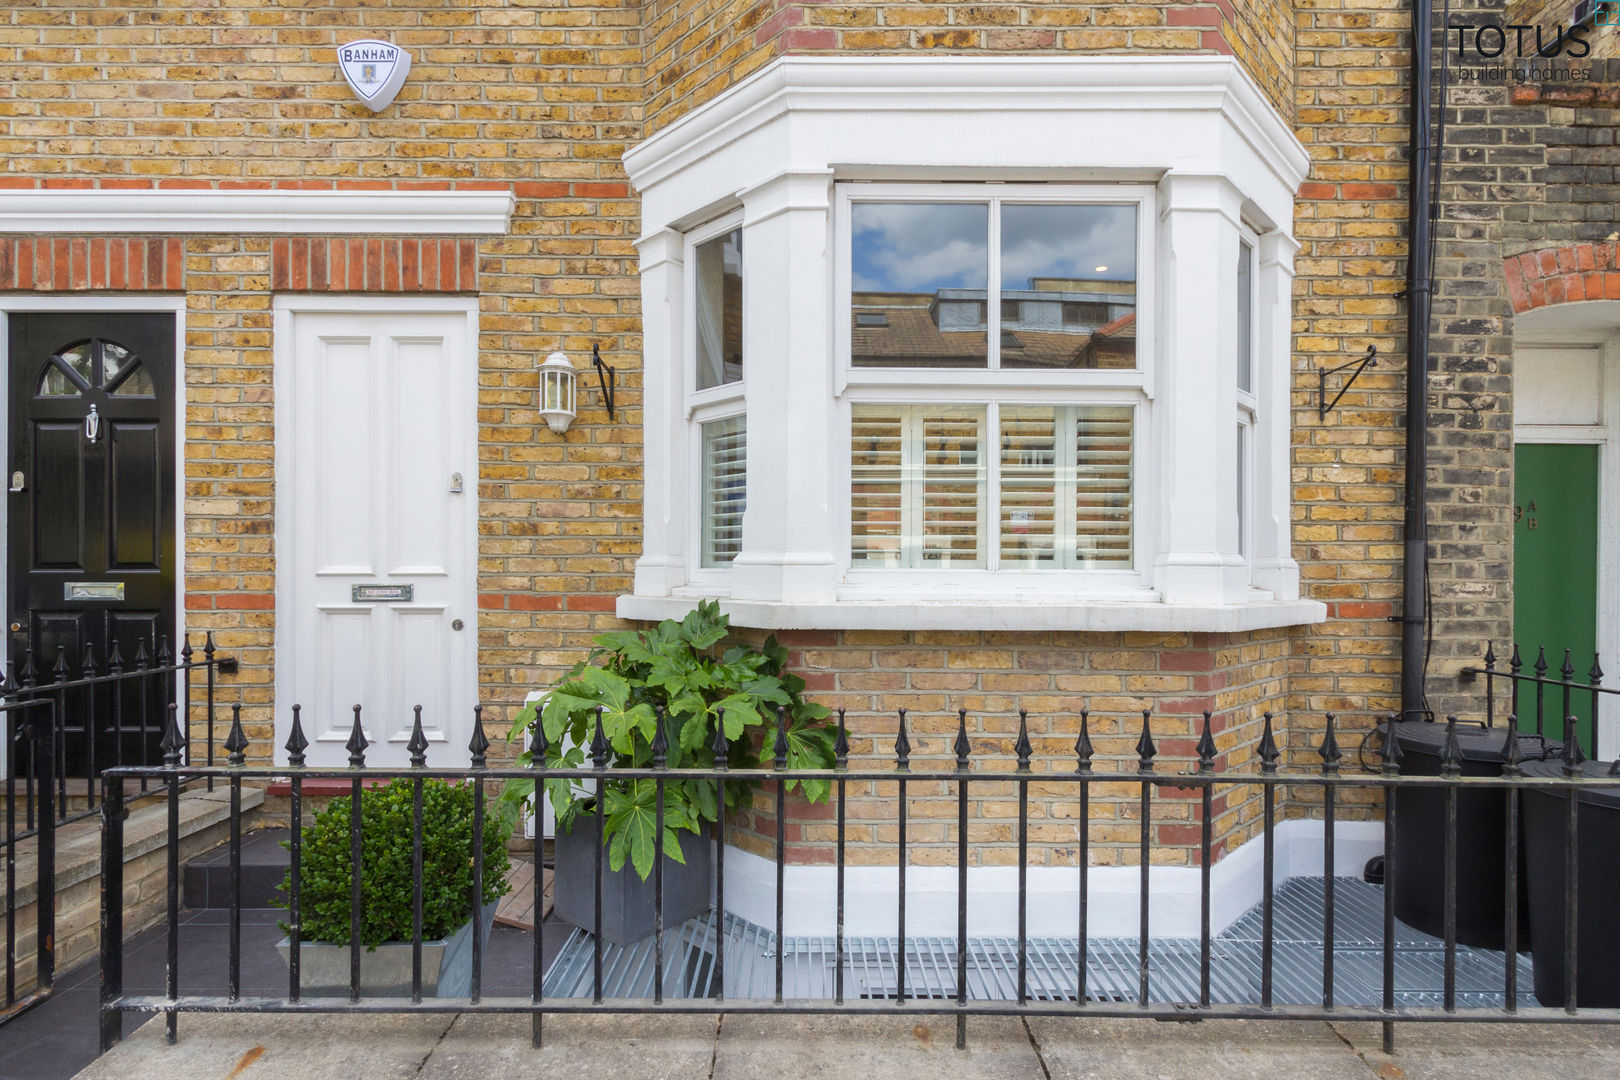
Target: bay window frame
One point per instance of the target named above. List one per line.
(1193, 138)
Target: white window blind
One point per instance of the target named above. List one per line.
(1065, 492)
(725, 473)
(918, 486)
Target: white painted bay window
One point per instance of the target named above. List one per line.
(971, 374)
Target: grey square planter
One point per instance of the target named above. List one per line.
(627, 901)
(323, 968)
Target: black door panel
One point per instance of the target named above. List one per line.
(92, 421)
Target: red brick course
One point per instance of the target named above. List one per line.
(1587, 271)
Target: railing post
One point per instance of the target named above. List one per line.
(112, 911)
(45, 745)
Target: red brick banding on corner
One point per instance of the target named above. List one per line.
(360, 264)
(1563, 275)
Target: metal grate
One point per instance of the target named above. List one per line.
(871, 965)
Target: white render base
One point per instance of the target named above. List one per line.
(1035, 614)
(870, 892)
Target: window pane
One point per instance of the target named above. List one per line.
(1103, 524)
(1029, 485)
(925, 268)
(1245, 318)
(725, 457)
(917, 486)
(55, 383)
(1068, 286)
(719, 310)
(1242, 489)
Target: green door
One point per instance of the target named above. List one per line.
(1555, 564)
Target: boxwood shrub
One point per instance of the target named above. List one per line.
(385, 877)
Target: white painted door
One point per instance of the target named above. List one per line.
(376, 468)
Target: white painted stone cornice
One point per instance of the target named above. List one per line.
(808, 189)
(962, 85)
(364, 213)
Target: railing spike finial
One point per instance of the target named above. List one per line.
(1023, 747)
(186, 651)
(356, 746)
(418, 744)
(1390, 750)
(30, 677)
(1568, 670)
(1512, 753)
(660, 740)
(115, 659)
(1595, 676)
(1145, 750)
(87, 662)
(781, 747)
(537, 740)
(1515, 662)
(1206, 747)
(1451, 750)
(1572, 756)
(164, 657)
(478, 745)
(173, 738)
(297, 742)
(1268, 746)
(841, 744)
(236, 742)
(60, 669)
(1082, 743)
(1541, 662)
(208, 647)
(1329, 751)
(1490, 655)
(143, 659)
(599, 744)
(721, 746)
(902, 745)
(962, 746)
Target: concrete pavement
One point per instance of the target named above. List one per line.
(249, 1047)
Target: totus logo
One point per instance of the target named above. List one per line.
(1526, 52)
(374, 70)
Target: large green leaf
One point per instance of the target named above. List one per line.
(632, 822)
(810, 746)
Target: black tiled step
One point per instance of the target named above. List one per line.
(207, 879)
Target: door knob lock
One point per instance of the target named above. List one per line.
(456, 624)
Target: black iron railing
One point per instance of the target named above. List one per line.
(59, 736)
(1568, 687)
(1146, 775)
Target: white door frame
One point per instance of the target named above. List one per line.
(1606, 436)
(285, 308)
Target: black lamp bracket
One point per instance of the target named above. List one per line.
(605, 376)
(1323, 405)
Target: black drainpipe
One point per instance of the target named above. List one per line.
(1419, 284)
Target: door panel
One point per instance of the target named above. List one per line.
(97, 503)
(376, 416)
(1555, 568)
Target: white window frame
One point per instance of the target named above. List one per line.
(1249, 417)
(1193, 138)
(993, 387)
(706, 406)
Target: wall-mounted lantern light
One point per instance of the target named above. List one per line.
(557, 392)
(559, 389)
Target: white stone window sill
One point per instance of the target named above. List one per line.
(986, 614)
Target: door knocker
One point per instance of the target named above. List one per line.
(92, 425)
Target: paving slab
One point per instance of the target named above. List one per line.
(861, 1048)
(1103, 1049)
(1458, 1051)
(251, 1047)
(621, 1047)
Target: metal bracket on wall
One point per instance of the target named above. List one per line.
(1323, 405)
(606, 376)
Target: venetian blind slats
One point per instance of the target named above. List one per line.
(725, 470)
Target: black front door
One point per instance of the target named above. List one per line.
(91, 551)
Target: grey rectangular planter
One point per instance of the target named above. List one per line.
(627, 901)
(323, 968)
